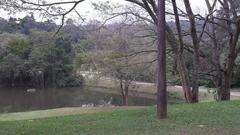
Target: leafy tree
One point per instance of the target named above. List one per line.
(39, 60)
(13, 56)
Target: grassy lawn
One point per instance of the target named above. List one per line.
(210, 118)
(57, 113)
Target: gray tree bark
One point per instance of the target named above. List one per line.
(161, 83)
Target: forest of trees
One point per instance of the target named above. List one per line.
(31, 57)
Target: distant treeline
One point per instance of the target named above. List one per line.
(31, 56)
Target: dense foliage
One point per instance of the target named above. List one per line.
(35, 58)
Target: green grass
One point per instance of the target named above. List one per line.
(210, 118)
(56, 113)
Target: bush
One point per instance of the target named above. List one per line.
(206, 83)
(70, 81)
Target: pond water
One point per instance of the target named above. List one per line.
(18, 100)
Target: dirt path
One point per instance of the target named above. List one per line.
(142, 87)
(235, 94)
(147, 88)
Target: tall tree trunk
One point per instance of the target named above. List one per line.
(182, 69)
(161, 84)
(178, 51)
(124, 92)
(185, 80)
(227, 76)
(224, 93)
(215, 52)
(125, 100)
(196, 59)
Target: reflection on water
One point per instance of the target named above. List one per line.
(15, 100)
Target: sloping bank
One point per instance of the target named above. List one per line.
(30, 115)
(211, 118)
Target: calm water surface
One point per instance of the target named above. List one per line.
(16, 100)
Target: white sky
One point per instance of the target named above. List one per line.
(87, 11)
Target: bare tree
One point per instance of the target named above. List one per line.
(177, 45)
(178, 51)
(45, 8)
(195, 40)
(112, 56)
(224, 43)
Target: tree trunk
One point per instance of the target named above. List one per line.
(196, 58)
(224, 93)
(124, 97)
(227, 78)
(161, 82)
(215, 51)
(178, 51)
(184, 80)
(182, 69)
(125, 100)
(195, 91)
(124, 92)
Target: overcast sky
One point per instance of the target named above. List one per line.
(87, 11)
